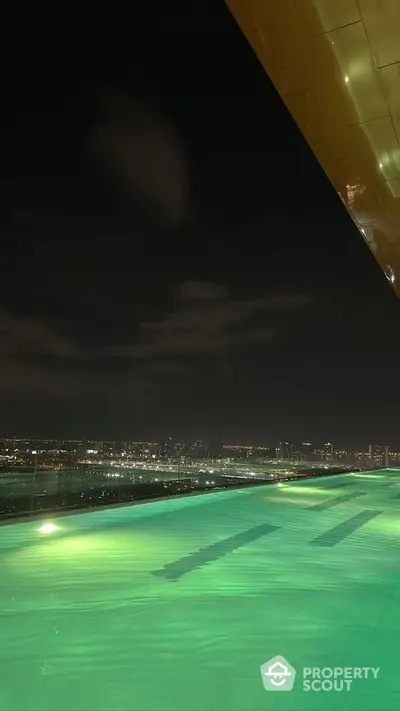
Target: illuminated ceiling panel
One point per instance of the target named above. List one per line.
(381, 19)
(336, 64)
(337, 13)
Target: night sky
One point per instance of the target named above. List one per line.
(173, 260)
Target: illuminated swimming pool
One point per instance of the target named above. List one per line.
(176, 604)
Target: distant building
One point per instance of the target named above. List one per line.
(306, 450)
(284, 450)
(270, 452)
(387, 456)
(167, 448)
(378, 456)
(215, 448)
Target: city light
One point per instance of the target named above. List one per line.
(111, 475)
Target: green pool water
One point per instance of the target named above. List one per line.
(175, 605)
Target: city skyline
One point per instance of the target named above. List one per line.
(264, 444)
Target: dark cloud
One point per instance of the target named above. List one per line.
(36, 358)
(24, 335)
(192, 290)
(143, 153)
(206, 321)
(203, 321)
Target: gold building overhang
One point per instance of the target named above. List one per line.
(336, 65)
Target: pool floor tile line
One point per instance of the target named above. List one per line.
(330, 503)
(342, 530)
(213, 552)
(338, 485)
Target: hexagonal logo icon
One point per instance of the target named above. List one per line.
(277, 674)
